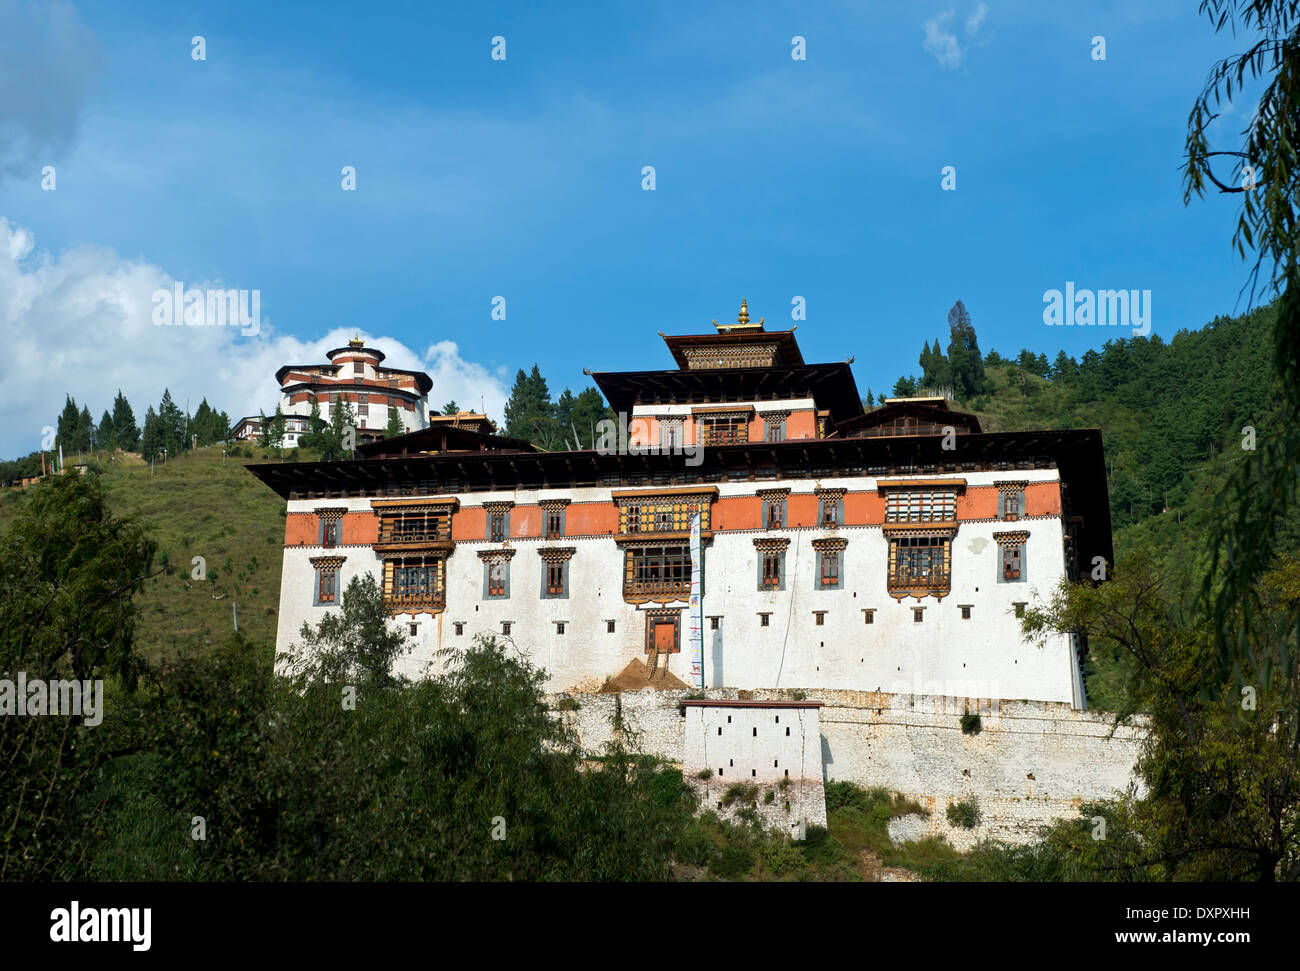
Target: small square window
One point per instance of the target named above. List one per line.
(460, 628)
(1020, 609)
(609, 627)
(821, 617)
(763, 619)
(505, 627)
(965, 612)
(773, 513)
(917, 614)
(868, 616)
(415, 628)
(559, 627)
(713, 623)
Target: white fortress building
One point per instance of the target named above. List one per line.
(355, 375)
(890, 551)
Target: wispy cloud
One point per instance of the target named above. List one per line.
(942, 42)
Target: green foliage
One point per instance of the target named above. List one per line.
(1220, 764)
(566, 423)
(739, 792)
(964, 813)
(734, 862)
(971, 724)
(68, 572)
(356, 643)
(411, 783)
(394, 426)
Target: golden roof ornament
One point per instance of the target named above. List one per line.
(742, 321)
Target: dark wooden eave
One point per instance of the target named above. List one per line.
(442, 437)
(962, 421)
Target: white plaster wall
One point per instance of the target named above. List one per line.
(750, 746)
(985, 656)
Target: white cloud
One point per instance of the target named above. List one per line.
(943, 43)
(81, 323)
(940, 43)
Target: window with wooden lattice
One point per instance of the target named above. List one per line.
(662, 514)
(555, 572)
(657, 571)
(1011, 501)
(830, 562)
(326, 580)
(771, 563)
(920, 505)
(724, 429)
(1011, 556)
(920, 564)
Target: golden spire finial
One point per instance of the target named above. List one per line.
(744, 312)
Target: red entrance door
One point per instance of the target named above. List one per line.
(664, 639)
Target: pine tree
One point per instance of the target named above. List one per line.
(588, 411)
(904, 387)
(263, 430)
(315, 427)
(529, 413)
(964, 356)
(69, 420)
(171, 424)
(203, 423)
(104, 437)
(126, 434)
(395, 426)
(85, 430)
(277, 428)
(335, 438)
(151, 441)
(451, 408)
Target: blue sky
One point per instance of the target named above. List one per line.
(522, 178)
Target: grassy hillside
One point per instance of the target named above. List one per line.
(200, 504)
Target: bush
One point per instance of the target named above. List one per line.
(970, 724)
(965, 813)
(567, 704)
(781, 856)
(738, 792)
(842, 794)
(704, 775)
(733, 862)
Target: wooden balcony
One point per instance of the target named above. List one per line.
(410, 540)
